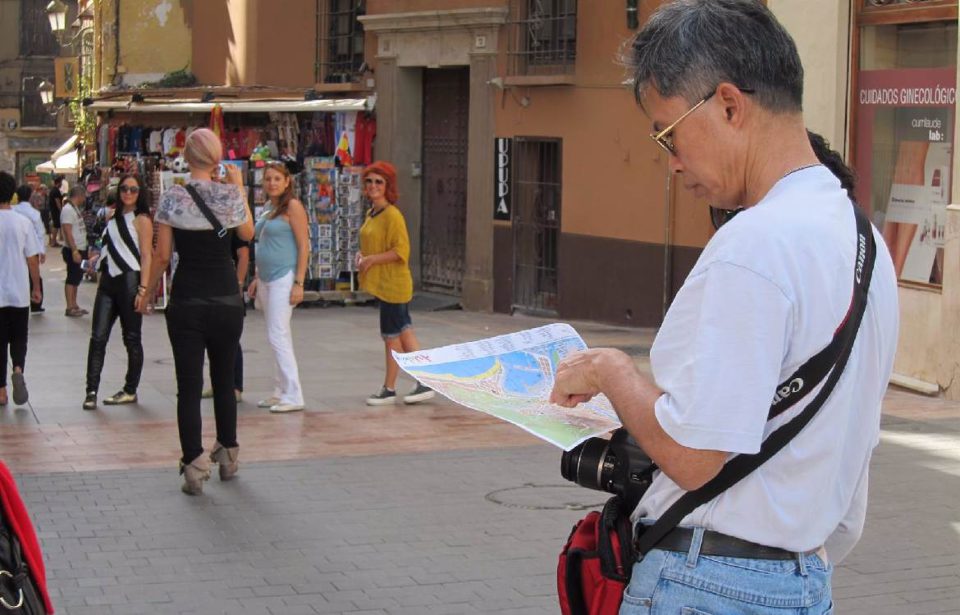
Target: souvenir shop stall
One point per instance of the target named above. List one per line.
(325, 143)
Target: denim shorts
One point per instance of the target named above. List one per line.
(696, 584)
(394, 319)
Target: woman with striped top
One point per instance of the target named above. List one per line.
(125, 264)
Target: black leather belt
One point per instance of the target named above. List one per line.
(722, 545)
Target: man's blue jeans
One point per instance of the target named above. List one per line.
(668, 582)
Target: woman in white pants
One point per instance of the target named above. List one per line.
(282, 251)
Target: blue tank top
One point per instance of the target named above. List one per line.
(276, 248)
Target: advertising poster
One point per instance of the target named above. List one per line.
(905, 162)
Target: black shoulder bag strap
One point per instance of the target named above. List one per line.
(831, 360)
(202, 205)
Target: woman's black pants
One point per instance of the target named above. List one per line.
(115, 297)
(194, 329)
(13, 334)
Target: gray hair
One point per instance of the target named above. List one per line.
(78, 190)
(690, 46)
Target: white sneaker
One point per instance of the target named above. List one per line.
(269, 402)
(419, 394)
(286, 407)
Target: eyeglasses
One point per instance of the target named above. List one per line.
(378, 182)
(664, 138)
(130, 189)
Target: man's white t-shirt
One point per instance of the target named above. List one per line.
(78, 227)
(767, 293)
(27, 210)
(17, 243)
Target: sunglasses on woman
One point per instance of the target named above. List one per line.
(370, 180)
(130, 189)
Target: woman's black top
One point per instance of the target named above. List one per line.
(205, 273)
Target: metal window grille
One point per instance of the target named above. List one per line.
(542, 37)
(32, 112)
(537, 190)
(339, 40)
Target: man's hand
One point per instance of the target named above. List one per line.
(43, 258)
(77, 257)
(579, 376)
(252, 289)
(36, 295)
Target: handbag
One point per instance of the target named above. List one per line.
(19, 594)
(828, 364)
(595, 564)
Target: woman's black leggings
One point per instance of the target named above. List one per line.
(194, 329)
(13, 334)
(114, 300)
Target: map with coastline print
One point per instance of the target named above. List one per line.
(510, 377)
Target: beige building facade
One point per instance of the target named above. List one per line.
(29, 132)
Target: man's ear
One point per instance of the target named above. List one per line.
(734, 103)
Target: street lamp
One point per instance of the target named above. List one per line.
(46, 93)
(57, 14)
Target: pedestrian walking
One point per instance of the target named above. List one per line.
(744, 340)
(205, 312)
(55, 205)
(19, 263)
(25, 208)
(282, 251)
(126, 253)
(39, 200)
(74, 250)
(383, 263)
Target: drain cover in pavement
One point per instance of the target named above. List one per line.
(547, 497)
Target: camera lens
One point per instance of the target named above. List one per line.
(584, 465)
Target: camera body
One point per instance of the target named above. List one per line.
(617, 466)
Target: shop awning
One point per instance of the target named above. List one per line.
(68, 146)
(65, 164)
(237, 106)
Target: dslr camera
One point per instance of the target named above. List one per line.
(617, 466)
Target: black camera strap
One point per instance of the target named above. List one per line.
(831, 360)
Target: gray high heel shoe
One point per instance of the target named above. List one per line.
(226, 458)
(194, 473)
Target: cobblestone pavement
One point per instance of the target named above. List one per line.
(408, 510)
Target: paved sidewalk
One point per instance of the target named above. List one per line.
(405, 510)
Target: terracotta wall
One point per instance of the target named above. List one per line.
(254, 42)
(614, 176)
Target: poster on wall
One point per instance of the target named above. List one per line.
(905, 163)
(27, 163)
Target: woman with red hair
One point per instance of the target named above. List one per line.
(385, 274)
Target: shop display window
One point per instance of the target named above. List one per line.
(905, 106)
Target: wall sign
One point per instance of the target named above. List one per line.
(502, 208)
(67, 80)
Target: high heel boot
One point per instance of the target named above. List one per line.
(226, 458)
(194, 473)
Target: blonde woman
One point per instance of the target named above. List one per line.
(205, 313)
(283, 248)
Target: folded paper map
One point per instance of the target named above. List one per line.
(510, 377)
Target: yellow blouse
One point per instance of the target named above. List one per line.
(380, 233)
